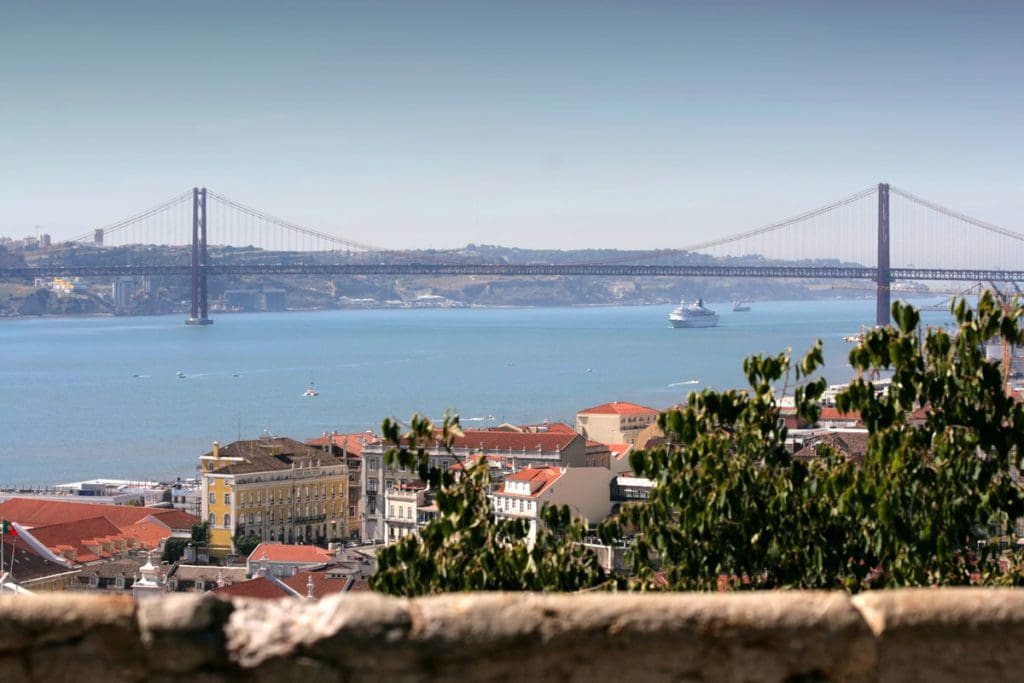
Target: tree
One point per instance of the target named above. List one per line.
(174, 548)
(731, 506)
(201, 533)
(465, 547)
(244, 545)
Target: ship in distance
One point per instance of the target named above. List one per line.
(741, 306)
(692, 315)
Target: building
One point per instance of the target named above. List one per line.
(279, 559)
(350, 448)
(309, 584)
(616, 422)
(276, 489)
(33, 572)
(199, 578)
(408, 507)
(524, 494)
(75, 533)
(121, 293)
(515, 447)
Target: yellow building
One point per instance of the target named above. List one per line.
(614, 423)
(275, 489)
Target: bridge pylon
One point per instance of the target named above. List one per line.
(883, 279)
(199, 314)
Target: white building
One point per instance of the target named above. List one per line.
(586, 490)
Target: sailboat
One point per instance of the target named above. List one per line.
(311, 391)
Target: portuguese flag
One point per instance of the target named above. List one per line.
(7, 529)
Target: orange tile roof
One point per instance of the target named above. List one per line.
(619, 408)
(830, 413)
(282, 552)
(352, 443)
(539, 478)
(80, 535)
(148, 533)
(32, 512)
(619, 450)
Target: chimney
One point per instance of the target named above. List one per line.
(309, 587)
(216, 450)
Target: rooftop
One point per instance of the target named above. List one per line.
(538, 478)
(268, 455)
(282, 552)
(619, 408)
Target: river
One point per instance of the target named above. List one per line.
(91, 397)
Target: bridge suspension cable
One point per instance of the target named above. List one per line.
(132, 220)
(273, 220)
(783, 224)
(957, 215)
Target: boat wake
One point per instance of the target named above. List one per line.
(686, 383)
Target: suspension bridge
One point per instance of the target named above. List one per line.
(881, 234)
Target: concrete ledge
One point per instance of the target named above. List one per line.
(933, 635)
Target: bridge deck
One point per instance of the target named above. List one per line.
(599, 270)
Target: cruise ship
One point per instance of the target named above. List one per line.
(693, 315)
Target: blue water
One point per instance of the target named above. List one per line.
(71, 407)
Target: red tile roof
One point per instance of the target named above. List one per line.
(324, 583)
(487, 440)
(271, 588)
(261, 587)
(282, 552)
(86, 527)
(619, 408)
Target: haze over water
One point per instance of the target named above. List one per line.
(71, 406)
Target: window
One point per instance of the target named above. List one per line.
(227, 499)
(213, 497)
(391, 511)
(351, 511)
(227, 520)
(212, 519)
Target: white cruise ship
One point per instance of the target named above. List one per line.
(693, 315)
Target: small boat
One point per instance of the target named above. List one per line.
(181, 375)
(740, 306)
(311, 391)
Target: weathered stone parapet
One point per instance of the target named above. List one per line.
(933, 635)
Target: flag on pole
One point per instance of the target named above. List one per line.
(7, 528)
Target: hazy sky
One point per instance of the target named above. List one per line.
(536, 124)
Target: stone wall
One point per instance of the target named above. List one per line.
(913, 635)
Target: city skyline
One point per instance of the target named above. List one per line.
(588, 124)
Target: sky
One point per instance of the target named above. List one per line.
(632, 124)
